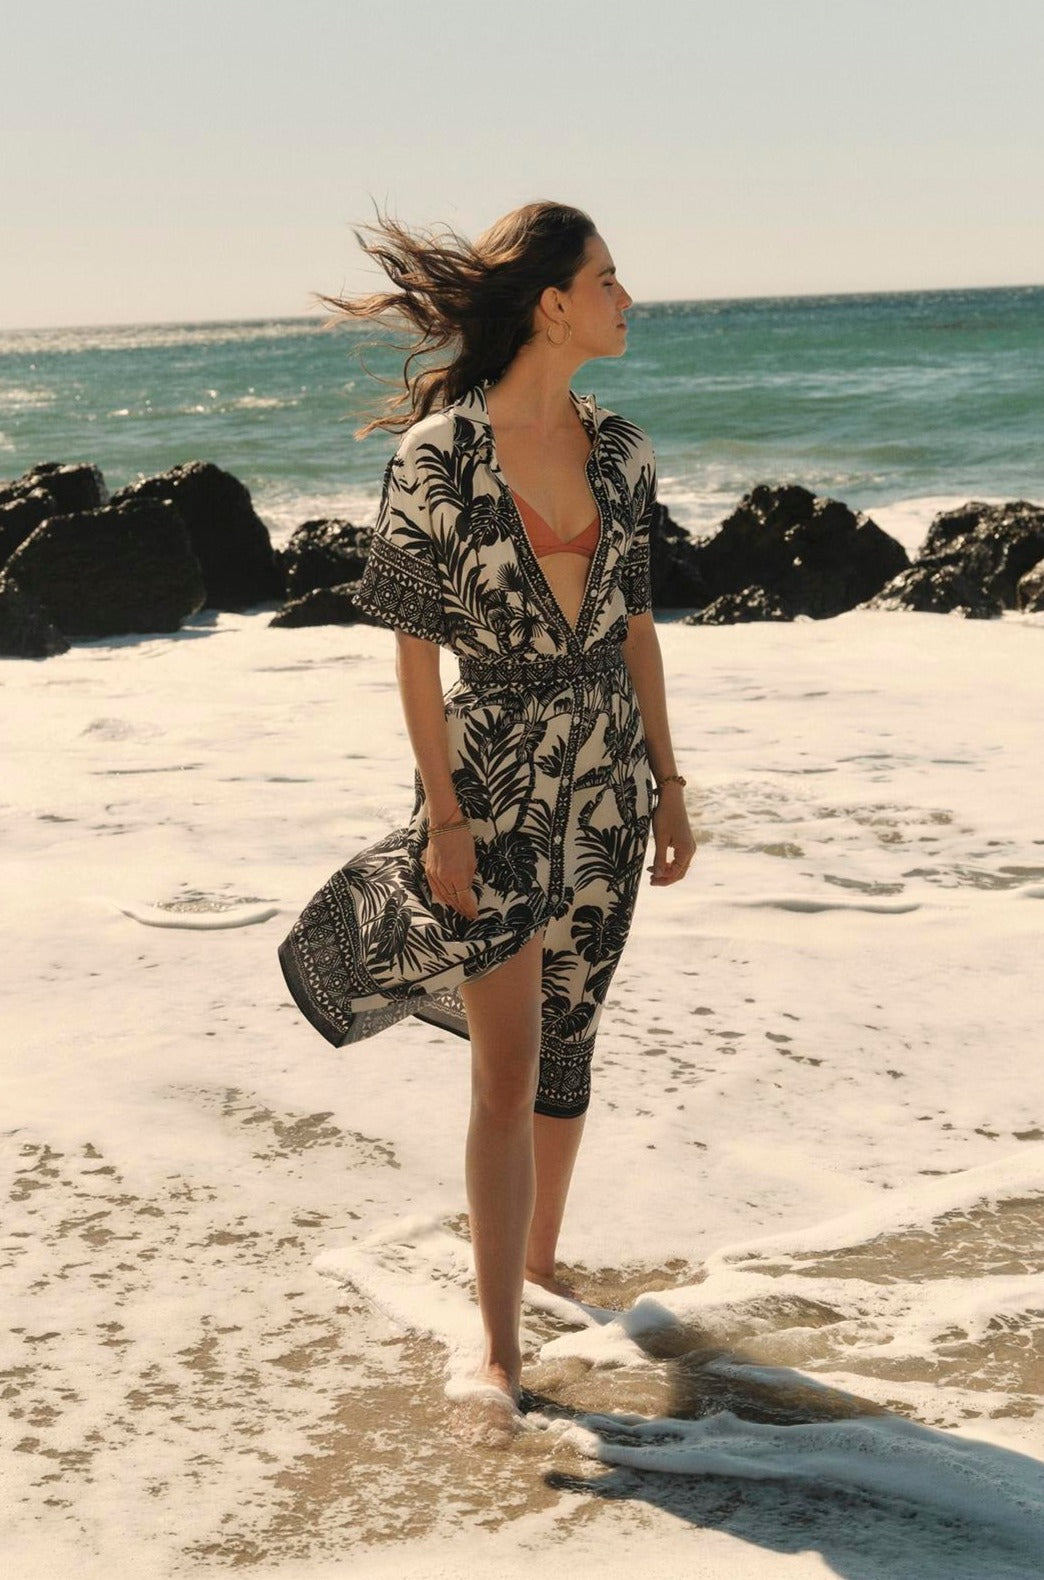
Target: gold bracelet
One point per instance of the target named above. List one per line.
(445, 828)
(670, 779)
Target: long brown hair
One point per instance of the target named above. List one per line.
(478, 298)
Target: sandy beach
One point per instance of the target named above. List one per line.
(808, 1215)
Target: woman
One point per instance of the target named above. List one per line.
(513, 529)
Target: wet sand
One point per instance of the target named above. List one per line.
(811, 1183)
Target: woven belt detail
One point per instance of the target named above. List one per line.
(537, 671)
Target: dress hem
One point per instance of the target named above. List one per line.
(425, 1008)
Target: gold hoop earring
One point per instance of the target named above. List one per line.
(568, 335)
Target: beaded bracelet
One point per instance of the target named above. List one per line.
(670, 779)
(445, 828)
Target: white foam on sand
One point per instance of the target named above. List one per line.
(892, 1458)
(204, 918)
(816, 1112)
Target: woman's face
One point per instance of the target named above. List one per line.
(595, 304)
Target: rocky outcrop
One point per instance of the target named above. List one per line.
(79, 486)
(753, 603)
(73, 563)
(20, 517)
(228, 538)
(126, 567)
(809, 555)
(997, 544)
(25, 628)
(48, 489)
(323, 553)
(324, 606)
(971, 562)
(933, 588)
(677, 580)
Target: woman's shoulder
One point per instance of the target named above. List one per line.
(454, 426)
(436, 429)
(622, 438)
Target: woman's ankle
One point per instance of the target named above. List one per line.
(503, 1371)
(552, 1283)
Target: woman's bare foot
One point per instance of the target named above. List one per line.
(551, 1283)
(506, 1379)
(487, 1413)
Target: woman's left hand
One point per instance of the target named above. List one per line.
(673, 843)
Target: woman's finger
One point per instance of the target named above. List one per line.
(465, 905)
(455, 897)
(661, 849)
(670, 861)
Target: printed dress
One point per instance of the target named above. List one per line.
(546, 751)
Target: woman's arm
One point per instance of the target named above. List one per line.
(420, 688)
(449, 860)
(670, 824)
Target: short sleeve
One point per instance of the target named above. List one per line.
(636, 573)
(401, 586)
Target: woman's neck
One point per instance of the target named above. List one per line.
(533, 395)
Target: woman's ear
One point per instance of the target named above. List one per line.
(551, 307)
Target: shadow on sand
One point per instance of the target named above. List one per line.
(772, 1457)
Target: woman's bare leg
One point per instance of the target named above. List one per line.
(503, 1010)
(555, 1145)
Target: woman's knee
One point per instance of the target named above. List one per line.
(504, 1011)
(504, 1081)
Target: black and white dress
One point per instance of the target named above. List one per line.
(546, 750)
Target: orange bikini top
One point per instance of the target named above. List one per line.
(543, 541)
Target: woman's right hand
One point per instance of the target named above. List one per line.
(450, 867)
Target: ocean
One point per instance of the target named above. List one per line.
(883, 401)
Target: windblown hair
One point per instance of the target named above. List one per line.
(475, 298)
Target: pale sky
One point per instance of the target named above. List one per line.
(207, 158)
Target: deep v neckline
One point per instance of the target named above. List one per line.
(524, 549)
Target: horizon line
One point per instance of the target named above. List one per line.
(658, 301)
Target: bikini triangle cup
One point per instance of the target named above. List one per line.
(544, 541)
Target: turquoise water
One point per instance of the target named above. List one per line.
(873, 399)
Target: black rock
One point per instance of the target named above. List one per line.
(324, 606)
(323, 553)
(1030, 591)
(753, 603)
(72, 487)
(934, 587)
(971, 562)
(47, 489)
(228, 538)
(995, 544)
(22, 514)
(25, 628)
(815, 556)
(677, 580)
(126, 567)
